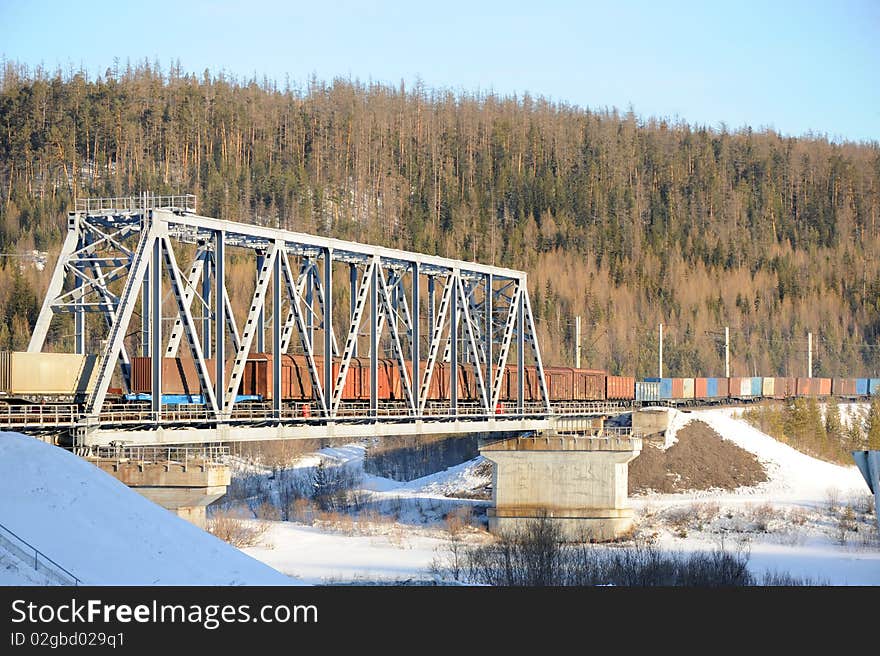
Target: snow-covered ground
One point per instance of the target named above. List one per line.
(790, 524)
(101, 531)
(398, 545)
(795, 523)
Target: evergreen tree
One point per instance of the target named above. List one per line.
(874, 424)
(833, 425)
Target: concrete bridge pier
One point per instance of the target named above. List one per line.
(577, 481)
(184, 486)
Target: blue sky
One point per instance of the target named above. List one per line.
(793, 66)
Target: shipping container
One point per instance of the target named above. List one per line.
(757, 385)
(861, 386)
(677, 388)
(647, 391)
(734, 386)
(619, 387)
(687, 388)
(47, 374)
(803, 386)
(785, 387)
(791, 389)
(813, 386)
(873, 386)
(768, 388)
(843, 386)
(711, 388)
(666, 388)
(701, 388)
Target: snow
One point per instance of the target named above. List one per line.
(94, 525)
(784, 524)
(103, 532)
(797, 486)
(317, 556)
(794, 476)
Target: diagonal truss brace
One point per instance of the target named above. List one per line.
(127, 301)
(351, 340)
(189, 325)
(464, 304)
(258, 303)
(506, 340)
(299, 318)
(192, 281)
(396, 343)
(434, 348)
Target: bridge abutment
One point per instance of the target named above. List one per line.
(578, 482)
(185, 487)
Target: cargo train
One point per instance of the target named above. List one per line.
(57, 376)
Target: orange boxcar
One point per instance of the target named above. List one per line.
(620, 387)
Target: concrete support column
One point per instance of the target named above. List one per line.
(185, 488)
(578, 482)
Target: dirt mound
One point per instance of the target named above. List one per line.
(700, 460)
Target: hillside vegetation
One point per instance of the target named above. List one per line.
(626, 221)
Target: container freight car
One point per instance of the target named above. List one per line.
(589, 384)
(47, 374)
(509, 385)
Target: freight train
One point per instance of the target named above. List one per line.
(55, 376)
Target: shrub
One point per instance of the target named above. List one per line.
(536, 556)
(236, 531)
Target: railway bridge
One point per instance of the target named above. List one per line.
(143, 280)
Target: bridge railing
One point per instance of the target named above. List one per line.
(133, 203)
(28, 552)
(162, 454)
(38, 415)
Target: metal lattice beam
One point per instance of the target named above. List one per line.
(483, 313)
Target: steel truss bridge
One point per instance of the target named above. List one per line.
(157, 259)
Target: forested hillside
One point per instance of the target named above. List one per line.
(627, 221)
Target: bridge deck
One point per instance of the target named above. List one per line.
(138, 425)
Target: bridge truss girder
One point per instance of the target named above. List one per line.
(120, 260)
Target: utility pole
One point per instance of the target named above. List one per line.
(660, 375)
(577, 342)
(727, 351)
(809, 355)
